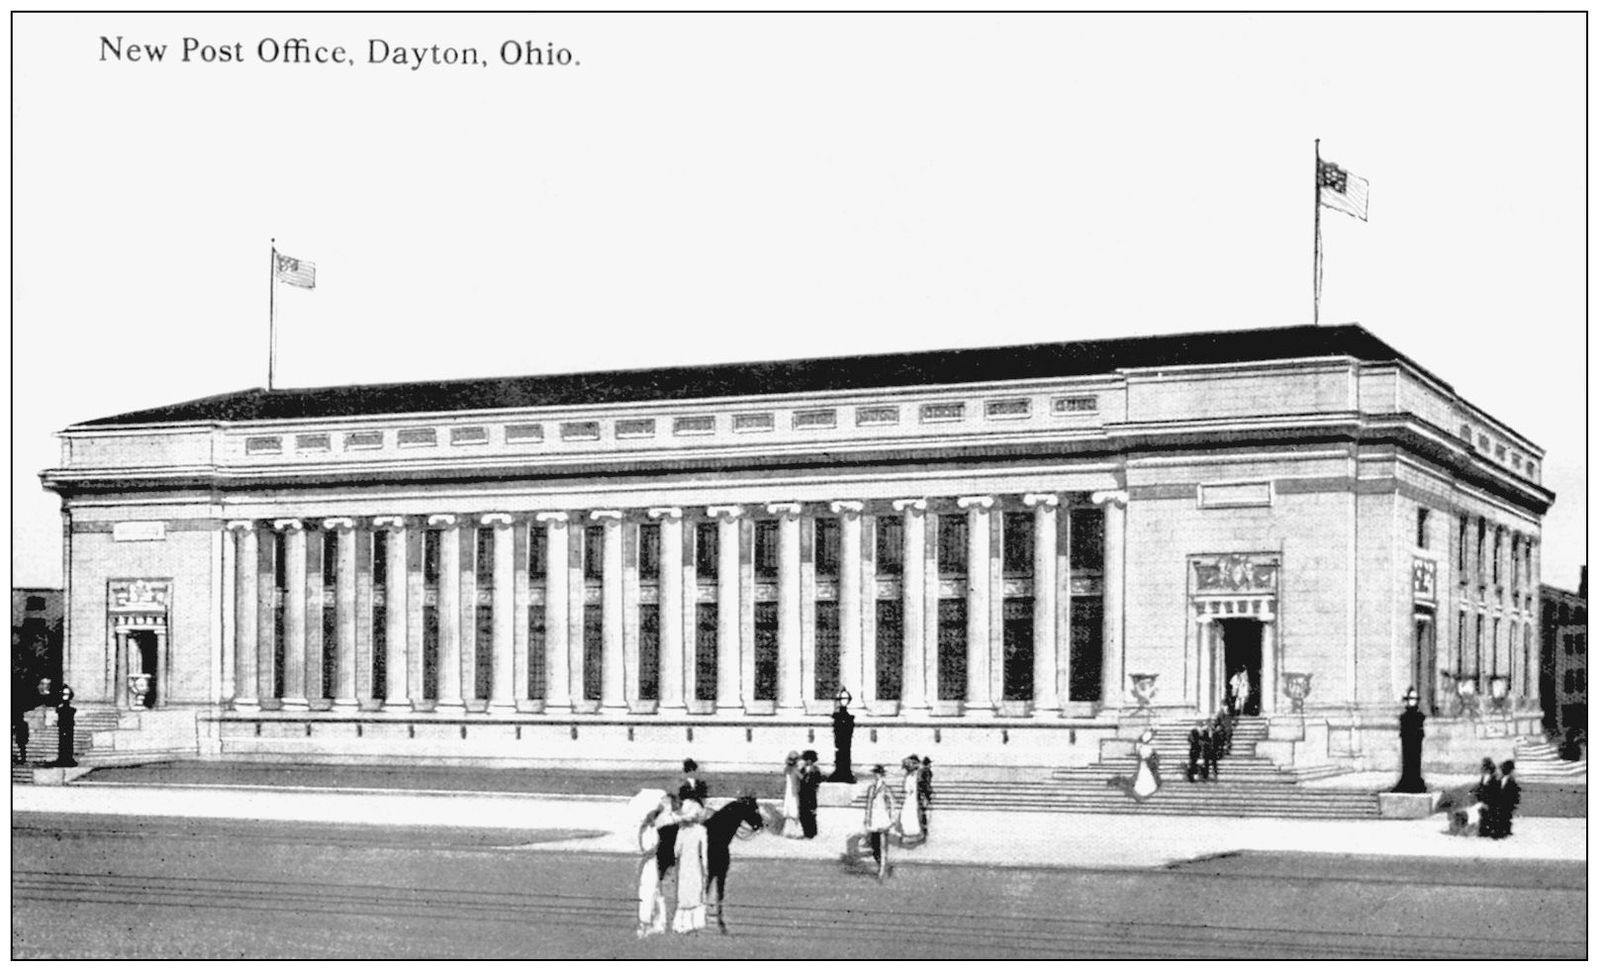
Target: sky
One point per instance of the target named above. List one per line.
(716, 187)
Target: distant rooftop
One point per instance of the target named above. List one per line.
(891, 370)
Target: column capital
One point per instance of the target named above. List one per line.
(790, 510)
(288, 524)
(1119, 498)
(979, 502)
(1049, 501)
(500, 518)
(914, 506)
(241, 525)
(726, 512)
(847, 508)
(390, 521)
(434, 520)
(339, 523)
(556, 519)
(671, 514)
(611, 515)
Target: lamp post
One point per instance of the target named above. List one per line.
(1411, 781)
(842, 732)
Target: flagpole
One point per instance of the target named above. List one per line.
(273, 344)
(1316, 236)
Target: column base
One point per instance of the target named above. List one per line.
(348, 705)
(245, 706)
(396, 706)
(453, 707)
(294, 704)
(501, 708)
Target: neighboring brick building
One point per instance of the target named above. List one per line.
(1003, 551)
(1564, 657)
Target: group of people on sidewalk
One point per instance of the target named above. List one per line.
(910, 821)
(1490, 804)
(674, 834)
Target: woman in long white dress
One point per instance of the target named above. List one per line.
(909, 813)
(692, 867)
(650, 898)
(790, 827)
(1146, 779)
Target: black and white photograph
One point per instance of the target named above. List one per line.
(812, 485)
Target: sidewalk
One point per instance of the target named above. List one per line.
(961, 837)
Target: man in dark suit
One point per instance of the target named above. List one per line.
(692, 786)
(1199, 741)
(808, 792)
(1221, 739)
(1507, 794)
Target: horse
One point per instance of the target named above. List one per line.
(722, 826)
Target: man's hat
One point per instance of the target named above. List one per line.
(878, 769)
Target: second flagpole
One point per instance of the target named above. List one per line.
(273, 345)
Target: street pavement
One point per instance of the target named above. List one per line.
(133, 886)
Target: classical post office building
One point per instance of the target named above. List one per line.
(1001, 554)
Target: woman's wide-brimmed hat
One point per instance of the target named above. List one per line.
(792, 756)
(878, 769)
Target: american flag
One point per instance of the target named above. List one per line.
(1342, 190)
(294, 272)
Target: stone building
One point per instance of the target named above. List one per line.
(1002, 554)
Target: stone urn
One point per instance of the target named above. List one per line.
(1144, 688)
(1297, 686)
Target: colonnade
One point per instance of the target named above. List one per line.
(381, 622)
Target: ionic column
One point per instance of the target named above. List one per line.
(414, 551)
(448, 615)
(671, 619)
(345, 685)
(728, 686)
(978, 585)
(295, 697)
(613, 609)
(245, 615)
(1115, 503)
(1044, 678)
(396, 609)
(915, 645)
(849, 600)
(266, 607)
(501, 611)
(789, 642)
(557, 523)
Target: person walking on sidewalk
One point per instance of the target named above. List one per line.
(879, 818)
(808, 792)
(909, 811)
(790, 824)
(924, 790)
(692, 866)
(1504, 802)
(650, 914)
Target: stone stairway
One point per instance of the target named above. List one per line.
(43, 741)
(1248, 785)
(1537, 759)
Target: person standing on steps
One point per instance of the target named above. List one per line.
(909, 812)
(1199, 743)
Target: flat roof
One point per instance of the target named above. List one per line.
(1035, 361)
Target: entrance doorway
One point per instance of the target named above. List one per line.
(1424, 664)
(1241, 653)
(143, 659)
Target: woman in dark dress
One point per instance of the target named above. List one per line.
(808, 792)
